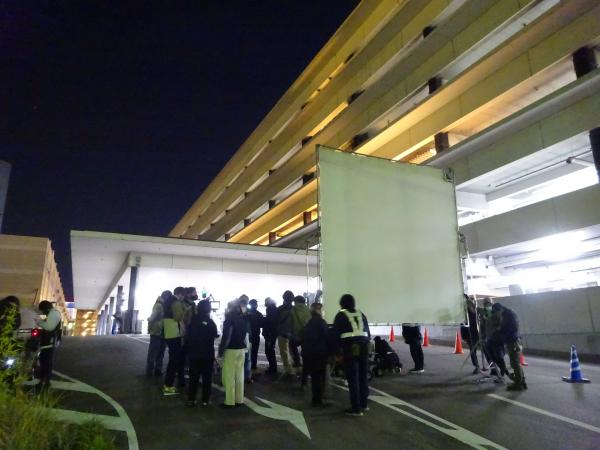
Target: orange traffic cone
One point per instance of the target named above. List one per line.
(522, 359)
(426, 339)
(392, 338)
(458, 345)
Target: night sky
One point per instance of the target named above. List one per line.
(116, 115)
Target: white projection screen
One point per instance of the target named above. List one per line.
(389, 236)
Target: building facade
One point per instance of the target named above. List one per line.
(28, 270)
(506, 93)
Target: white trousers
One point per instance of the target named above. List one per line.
(233, 375)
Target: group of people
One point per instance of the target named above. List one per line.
(189, 333)
(494, 330)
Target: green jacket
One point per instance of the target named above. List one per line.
(171, 325)
(300, 317)
(155, 321)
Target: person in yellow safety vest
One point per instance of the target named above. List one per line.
(49, 337)
(351, 329)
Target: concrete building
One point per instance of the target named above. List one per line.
(4, 179)
(28, 271)
(506, 93)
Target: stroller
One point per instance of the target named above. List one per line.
(384, 359)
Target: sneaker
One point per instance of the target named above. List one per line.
(476, 370)
(353, 412)
(169, 390)
(206, 403)
(190, 403)
(223, 405)
(415, 370)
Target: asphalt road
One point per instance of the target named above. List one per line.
(443, 408)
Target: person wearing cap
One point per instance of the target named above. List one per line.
(270, 334)
(232, 348)
(255, 318)
(156, 349)
(49, 337)
(284, 332)
(201, 334)
(351, 329)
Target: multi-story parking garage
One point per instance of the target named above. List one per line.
(506, 93)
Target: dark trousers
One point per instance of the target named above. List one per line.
(356, 368)
(316, 367)
(416, 351)
(495, 350)
(295, 353)
(254, 352)
(175, 366)
(200, 367)
(156, 353)
(46, 356)
(270, 353)
(473, 343)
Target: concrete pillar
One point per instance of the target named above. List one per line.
(584, 61)
(106, 320)
(133, 275)
(119, 310)
(111, 311)
(100, 324)
(595, 144)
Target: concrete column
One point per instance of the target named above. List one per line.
(133, 275)
(111, 311)
(119, 309)
(100, 324)
(106, 321)
(584, 61)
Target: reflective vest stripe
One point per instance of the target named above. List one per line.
(356, 322)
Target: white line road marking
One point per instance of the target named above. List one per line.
(124, 421)
(272, 411)
(452, 430)
(135, 338)
(110, 422)
(548, 413)
(276, 411)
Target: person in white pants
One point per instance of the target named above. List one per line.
(232, 349)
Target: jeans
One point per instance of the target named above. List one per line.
(175, 366)
(254, 352)
(416, 351)
(233, 376)
(200, 367)
(46, 356)
(156, 353)
(356, 368)
(270, 353)
(295, 353)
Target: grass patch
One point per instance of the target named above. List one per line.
(26, 422)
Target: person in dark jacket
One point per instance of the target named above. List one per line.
(256, 319)
(284, 332)
(507, 332)
(351, 329)
(270, 334)
(315, 351)
(200, 335)
(412, 336)
(470, 333)
(232, 349)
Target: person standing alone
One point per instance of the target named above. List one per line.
(412, 336)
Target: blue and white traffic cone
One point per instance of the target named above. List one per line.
(576, 376)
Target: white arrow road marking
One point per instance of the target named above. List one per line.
(452, 430)
(272, 411)
(547, 413)
(119, 423)
(276, 411)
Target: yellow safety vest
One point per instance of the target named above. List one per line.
(356, 322)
